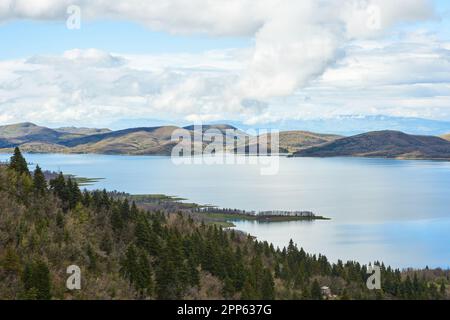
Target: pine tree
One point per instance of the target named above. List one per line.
(58, 186)
(167, 283)
(316, 292)
(125, 210)
(239, 270)
(36, 279)
(18, 163)
(117, 222)
(39, 182)
(407, 290)
(145, 237)
(128, 263)
(86, 198)
(74, 193)
(228, 288)
(267, 286)
(443, 290)
(134, 212)
(248, 292)
(105, 200)
(137, 269)
(144, 282)
(194, 275)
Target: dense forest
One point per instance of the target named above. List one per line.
(126, 252)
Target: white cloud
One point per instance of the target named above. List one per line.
(309, 58)
(409, 77)
(225, 17)
(295, 41)
(92, 86)
(301, 39)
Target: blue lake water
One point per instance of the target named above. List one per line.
(389, 210)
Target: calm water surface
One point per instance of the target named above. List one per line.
(389, 210)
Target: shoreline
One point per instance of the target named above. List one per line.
(284, 155)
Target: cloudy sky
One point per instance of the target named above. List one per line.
(253, 61)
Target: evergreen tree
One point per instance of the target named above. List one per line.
(39, 182)
(228, 288)
(128, 263)
(194, 275)
(249, 292)
(117, 222)
(134, 211)
(137, 269)
(36, 279)
(407, 290)
(443, 290)
(125, 210)
(167, 285)
(239, 270)
(145, 237)
(306, 294)
(73, 192)
(105, 201)
(86, 198)
(58, 186)
(267, 286)
(18, 163)
(144, 281)
(316, 292)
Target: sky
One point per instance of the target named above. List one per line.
(255, 62)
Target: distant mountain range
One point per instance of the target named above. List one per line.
(345, 125)
(136, 141)
(157, 141)
(34, 138)
(348, 125)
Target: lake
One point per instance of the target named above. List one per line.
(388, 210)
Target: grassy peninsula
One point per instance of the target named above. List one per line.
(225, 217)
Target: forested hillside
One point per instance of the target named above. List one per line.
(128, 253)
